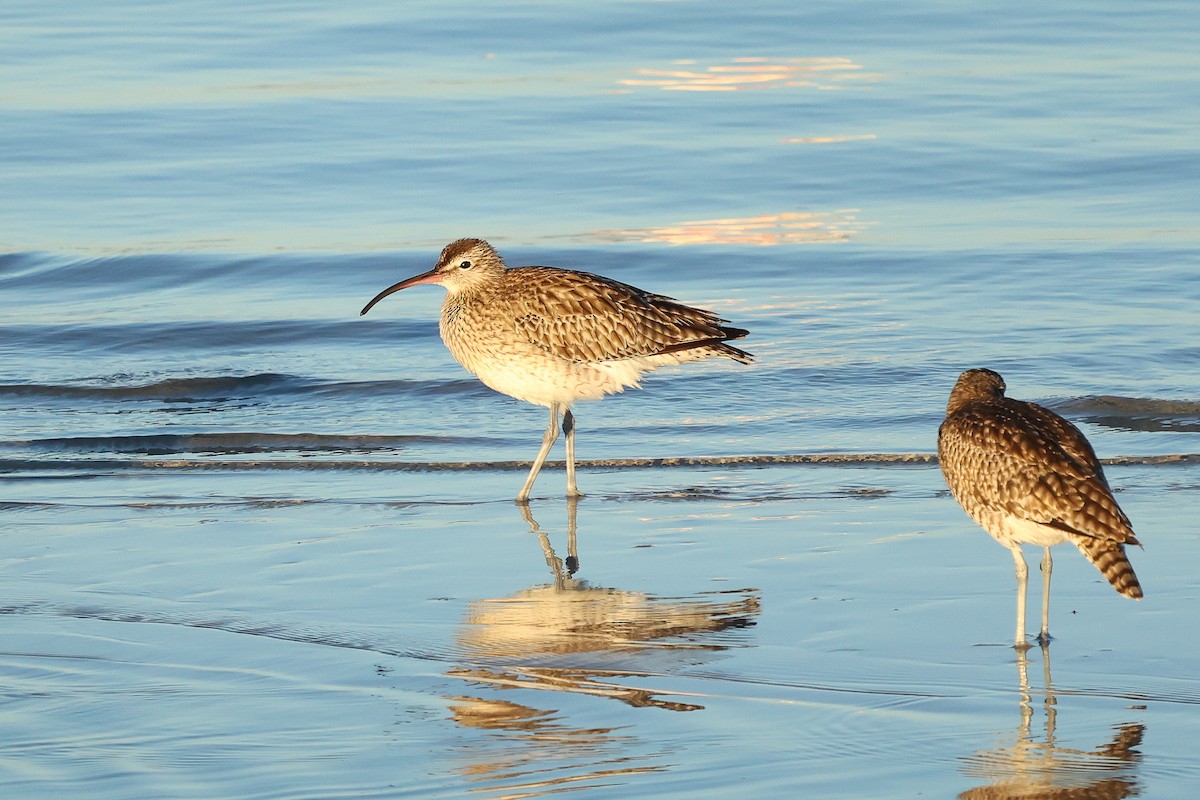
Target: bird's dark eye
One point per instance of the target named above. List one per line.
(465, 265)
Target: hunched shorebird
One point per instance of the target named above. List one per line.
(552, 336)
(1028, 476)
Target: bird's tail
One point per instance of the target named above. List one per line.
(729, 351)
(1109, 557)
(716, 346)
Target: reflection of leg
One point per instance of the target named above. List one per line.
(548, 440)
(568, 427)
(1046, 668)
(552, 559)
(1026, 693)
(1051, 710)
(1047, 568)
(572, 528)
(1022, 585)
(527, 515)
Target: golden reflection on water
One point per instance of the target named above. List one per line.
(764, 230)
(1033, 767)
(688, 75)
(861, 137)
(568, 637)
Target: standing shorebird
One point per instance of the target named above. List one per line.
(1028, 476)
(554, 336)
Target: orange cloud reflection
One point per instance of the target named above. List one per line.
(764, 230)
(751, 73)
(862, 137)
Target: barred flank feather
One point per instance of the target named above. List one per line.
(1112, 562)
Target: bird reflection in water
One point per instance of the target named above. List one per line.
(1029, 768)
(569, 637)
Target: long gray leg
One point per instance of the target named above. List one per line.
(1047, 568)
(548, 440)
(1022, 586)
(568, 427)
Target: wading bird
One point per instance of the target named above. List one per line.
(1028, 476)
(552, 336)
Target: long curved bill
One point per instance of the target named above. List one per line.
(433, 276)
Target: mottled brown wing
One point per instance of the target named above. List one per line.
(1065, 435)
(583, 317)
(1028, 462)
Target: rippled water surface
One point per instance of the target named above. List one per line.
(254, 545)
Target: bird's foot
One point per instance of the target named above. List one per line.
(1043, 638)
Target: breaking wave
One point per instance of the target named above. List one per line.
(1147, 414)
(226, 387)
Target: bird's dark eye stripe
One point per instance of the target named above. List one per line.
(465, 265)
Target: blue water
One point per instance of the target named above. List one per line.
(257, 546)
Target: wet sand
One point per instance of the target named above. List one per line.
(726, 631)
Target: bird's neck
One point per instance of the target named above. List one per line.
(960, 400)
(482, 289)
(465, 299)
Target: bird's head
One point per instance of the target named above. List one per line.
(974, 385)
(465, 265)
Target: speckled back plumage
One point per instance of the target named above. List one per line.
(578, 316)
(547, 335)
(1025, 474)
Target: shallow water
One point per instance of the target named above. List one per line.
(774, 630)
(257, 546)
